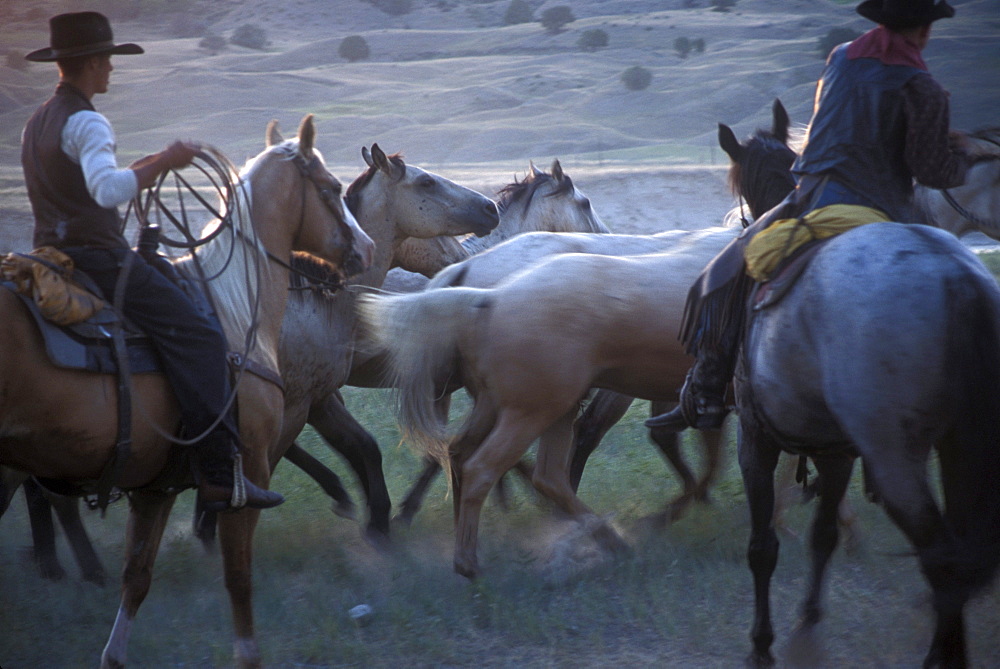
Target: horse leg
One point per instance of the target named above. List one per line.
(477, 470)
(758, 457)
(551, 479)
(604, 410)
(415, 497)
(334, 422)
(236, 540)
(147, 520)
(43, 532)
(834, 473)
(331, 484)
(68, 511)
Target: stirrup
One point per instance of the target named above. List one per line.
(242, 494)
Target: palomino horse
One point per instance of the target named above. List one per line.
(541, 201)
(764, 181)
(528, 351)
(316, 341)
(287, 200)
(918, 369)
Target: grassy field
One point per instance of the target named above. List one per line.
(683, 598)
(548, 598)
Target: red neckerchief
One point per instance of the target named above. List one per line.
(887, 46)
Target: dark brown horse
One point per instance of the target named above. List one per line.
(61, 424)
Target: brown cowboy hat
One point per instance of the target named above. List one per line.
(905, 13)
(80, 34)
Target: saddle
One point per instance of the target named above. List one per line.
(78, 327)
(778, 255)
(81, 331)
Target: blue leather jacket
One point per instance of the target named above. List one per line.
(857, 136)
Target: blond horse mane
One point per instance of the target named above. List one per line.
(236, 262)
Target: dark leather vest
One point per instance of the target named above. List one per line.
(65, 213)
(857, 134)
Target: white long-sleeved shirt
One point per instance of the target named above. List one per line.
(89, 141)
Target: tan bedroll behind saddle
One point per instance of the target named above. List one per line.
(45, 275)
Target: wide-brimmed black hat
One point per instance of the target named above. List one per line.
(905, 13)
(80, 34)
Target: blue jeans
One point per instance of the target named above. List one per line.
(190, 344)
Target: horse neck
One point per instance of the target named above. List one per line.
(512, 223)
(248, 290)
(376, 217)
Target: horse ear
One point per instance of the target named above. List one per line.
(367, 155)
(729, 143)
(535, 172)
(383, 163)
(272, 135)
(379, 159)
(557, 172)
(307, 135)
(781, 122)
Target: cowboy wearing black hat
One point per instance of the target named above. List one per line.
(75, 188)
(879, 122)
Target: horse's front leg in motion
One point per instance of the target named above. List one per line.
(758, 457)
(236, 539)
(146, 522)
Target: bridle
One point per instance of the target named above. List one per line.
(221, 175)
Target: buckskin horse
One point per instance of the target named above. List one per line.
(60, 423)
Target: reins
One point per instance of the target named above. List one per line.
(965, 213)
(219, 171)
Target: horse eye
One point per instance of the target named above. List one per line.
(427, 182)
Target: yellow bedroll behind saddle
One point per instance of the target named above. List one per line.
(780, 240)
(45, 276)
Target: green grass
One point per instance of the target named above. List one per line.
(683, 598)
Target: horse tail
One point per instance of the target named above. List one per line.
(970, 454)
(421, 333)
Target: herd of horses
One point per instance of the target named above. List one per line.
(886, 348)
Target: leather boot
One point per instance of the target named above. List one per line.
(221, 483)
(702, 403)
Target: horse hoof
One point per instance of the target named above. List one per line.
(378, 540)
(469, 571)
(757, 660)
(345, 510)
(403, 518)
(804, 648)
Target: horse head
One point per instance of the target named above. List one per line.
(547, 202)
(325, 227)
(419, 203)
(761, 169)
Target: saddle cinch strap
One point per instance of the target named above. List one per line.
(779, 241)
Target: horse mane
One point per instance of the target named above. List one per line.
(353, 194)
(527, 187)
(308, 271)
(236, 261)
